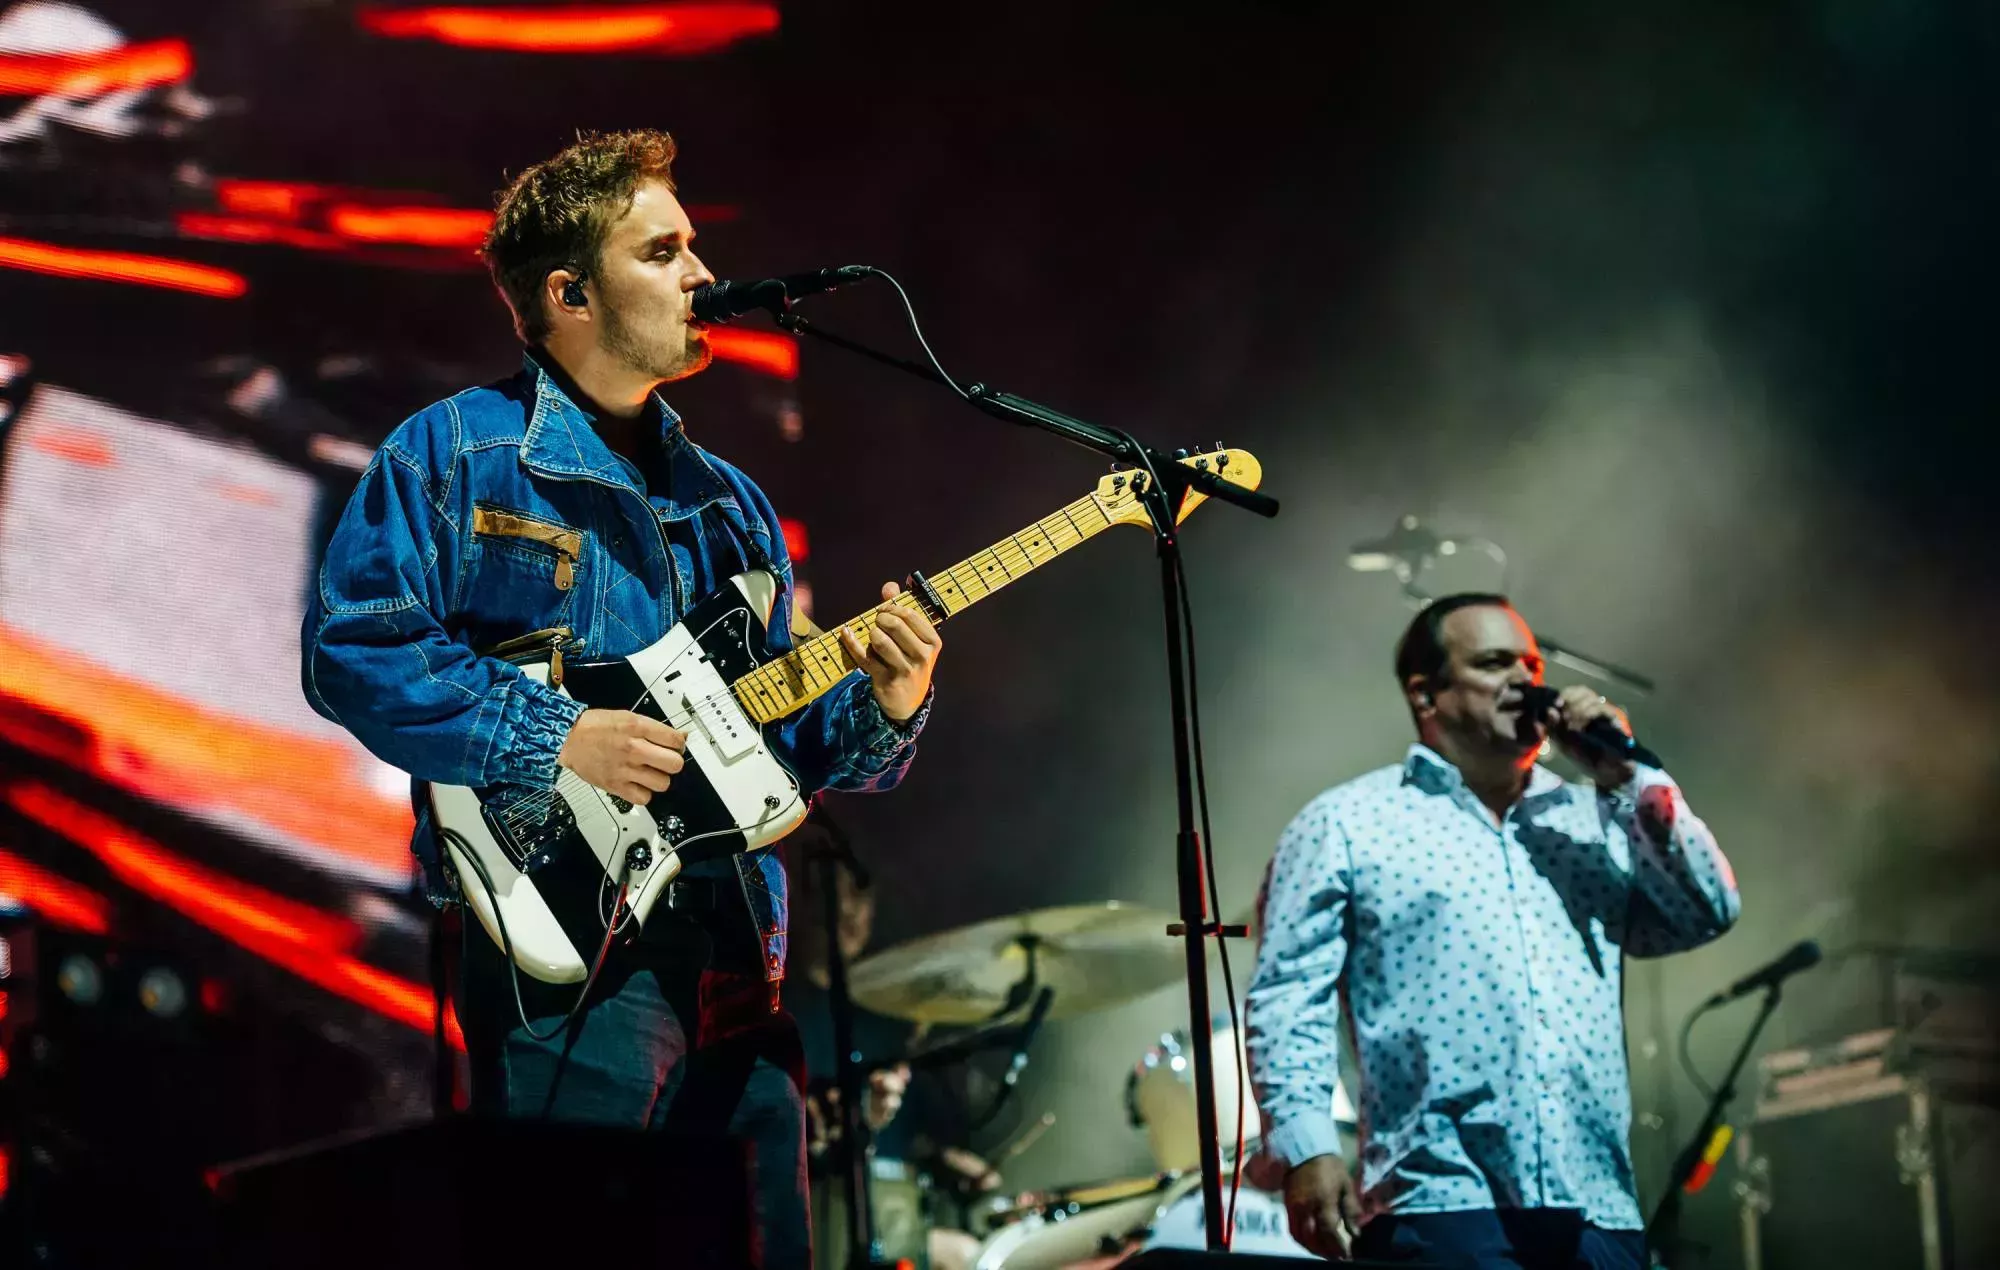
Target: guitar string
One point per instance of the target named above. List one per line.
(810, 661)
(805, 665)
(772, 677)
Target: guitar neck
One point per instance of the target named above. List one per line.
(789, 683)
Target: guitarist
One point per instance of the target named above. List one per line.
(569, 498)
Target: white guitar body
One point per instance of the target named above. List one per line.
(543, 877)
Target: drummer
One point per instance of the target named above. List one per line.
(914, 1120)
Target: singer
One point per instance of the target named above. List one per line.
(569, 502)
(1472, 910)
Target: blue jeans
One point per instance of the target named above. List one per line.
(1501, 1239)
(664, 1045)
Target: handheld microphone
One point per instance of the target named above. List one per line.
(718, 302)
(1803, 955)
(1043, 1000)
(1603, 734)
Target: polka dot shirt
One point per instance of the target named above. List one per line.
(1478, 967)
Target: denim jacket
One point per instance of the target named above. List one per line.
(500, 512)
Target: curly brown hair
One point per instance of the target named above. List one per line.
(555, 215)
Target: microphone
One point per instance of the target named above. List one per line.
(1043, 1000)
(1408, 545)
(1603, 734)
(1804, 955)
(718, 302)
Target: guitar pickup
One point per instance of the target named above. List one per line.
(729, 731)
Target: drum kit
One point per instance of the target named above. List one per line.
(1093, 957)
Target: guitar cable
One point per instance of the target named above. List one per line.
(465, 851)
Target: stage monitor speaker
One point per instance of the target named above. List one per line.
(473, 1191)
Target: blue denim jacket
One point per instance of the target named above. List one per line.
(408, 591)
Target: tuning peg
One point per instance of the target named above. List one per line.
(1181, 453)
(1218, 446)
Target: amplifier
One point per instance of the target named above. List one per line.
(1869, 1152)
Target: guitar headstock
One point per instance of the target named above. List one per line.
(1120, 494)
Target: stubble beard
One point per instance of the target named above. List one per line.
(622, 342)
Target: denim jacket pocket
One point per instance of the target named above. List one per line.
(521, 573)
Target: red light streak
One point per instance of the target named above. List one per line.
(275, 200)
(121, 266)
(340, 219)
(133, 735)
(766, 351)
(797, 544)
(309, 943)
(417, 226)
(659, 29)
(92, 74)
(244, 229)
(56, 898)
(77, 447)
(214, 899)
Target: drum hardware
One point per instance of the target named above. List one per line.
(1066, 961)
(836, 852)
(1093, 956)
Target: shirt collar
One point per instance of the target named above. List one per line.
(561, 437)
(1429, 770)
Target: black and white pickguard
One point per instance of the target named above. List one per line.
(555, 867)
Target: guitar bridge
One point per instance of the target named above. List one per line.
(529, 846)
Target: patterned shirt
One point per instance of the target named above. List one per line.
(1479, 964)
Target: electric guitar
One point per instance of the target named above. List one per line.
(545, 876)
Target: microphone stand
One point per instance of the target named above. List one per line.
(1663, 1231)
(864, 1250)
(1171, 481)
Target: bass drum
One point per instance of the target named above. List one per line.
(1261, 1225)
(1159, 1098)
(1050, 1229)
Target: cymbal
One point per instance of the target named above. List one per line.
(1093, 955)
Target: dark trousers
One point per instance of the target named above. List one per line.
(664, 1045)
(1502, 1239)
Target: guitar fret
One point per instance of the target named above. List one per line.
(811, 669)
